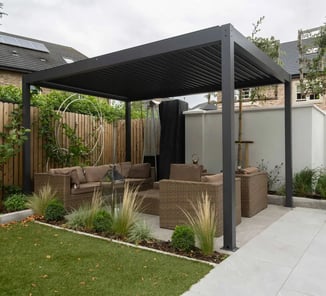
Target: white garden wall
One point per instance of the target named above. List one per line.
(264, 126)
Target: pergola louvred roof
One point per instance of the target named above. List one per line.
(213, 59)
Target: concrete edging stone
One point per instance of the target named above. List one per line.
(298, 202)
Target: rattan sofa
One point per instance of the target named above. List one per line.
(76, 185)
(176, 195)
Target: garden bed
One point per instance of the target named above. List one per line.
(155, 244)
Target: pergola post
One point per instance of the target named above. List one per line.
(228, 139)
(288, 144)
(128, 130)
(27, 181)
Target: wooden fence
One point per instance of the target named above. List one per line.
(110, 137)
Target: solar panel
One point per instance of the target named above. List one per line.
(24, 43)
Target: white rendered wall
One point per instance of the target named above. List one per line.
(264, 126)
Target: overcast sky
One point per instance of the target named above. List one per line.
(102, 26)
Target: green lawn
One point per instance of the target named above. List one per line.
(39, 260)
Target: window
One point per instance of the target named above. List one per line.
(306, 97)
(246, 93)
(68, 60)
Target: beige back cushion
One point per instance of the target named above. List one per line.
(96, 173)
(217, 178)
(140, 170)
(185, 172)
(123, 168)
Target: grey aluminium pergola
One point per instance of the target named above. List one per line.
(218, 58)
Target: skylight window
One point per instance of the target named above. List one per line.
(24, 43)
(68, 60)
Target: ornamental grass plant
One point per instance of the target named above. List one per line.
(203, 223)
(128, 212)
(38, 202)
(83, 217)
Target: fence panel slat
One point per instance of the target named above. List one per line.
(84, 126)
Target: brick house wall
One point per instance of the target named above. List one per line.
(10, 78)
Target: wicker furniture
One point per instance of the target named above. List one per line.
(61, 184)
(76, 185)
(176, 194)
(253, 193)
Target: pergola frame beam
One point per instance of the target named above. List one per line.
(168, 68)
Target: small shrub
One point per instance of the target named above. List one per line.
(303, 182)
(55, 211)
(140, 232)
(203, 223)
(39, 202)
(321, 186)
(11, 190)
(273, 174)
(15, 202)
(127, 214)
(77, 218)
(102, 221)
(183, 238)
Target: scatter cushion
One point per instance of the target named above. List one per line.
(185, 172)
(217, 178)
(74, 178)
(95, 173)
(140, 170)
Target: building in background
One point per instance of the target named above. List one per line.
(20, 55)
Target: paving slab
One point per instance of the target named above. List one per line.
(287, 258)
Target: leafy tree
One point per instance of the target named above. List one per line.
(2, 13)
(270, 46)
(312, 70)
(13, 138)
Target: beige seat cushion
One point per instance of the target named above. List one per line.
(185, 172)
(249, 170)
(86, 188)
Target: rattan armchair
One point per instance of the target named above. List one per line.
(253, 193)
(177, 194)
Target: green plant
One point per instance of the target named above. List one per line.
(183, 238)
(203, 223)
(321, 185)
(11, 189)
(102, 221)
(55, 211)
(15, 202)
(11, 94)
(126, 216)
(140, 231)
(13, 137)
(83, 217)
(272, 174)
(38, 202)
(303, 182)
